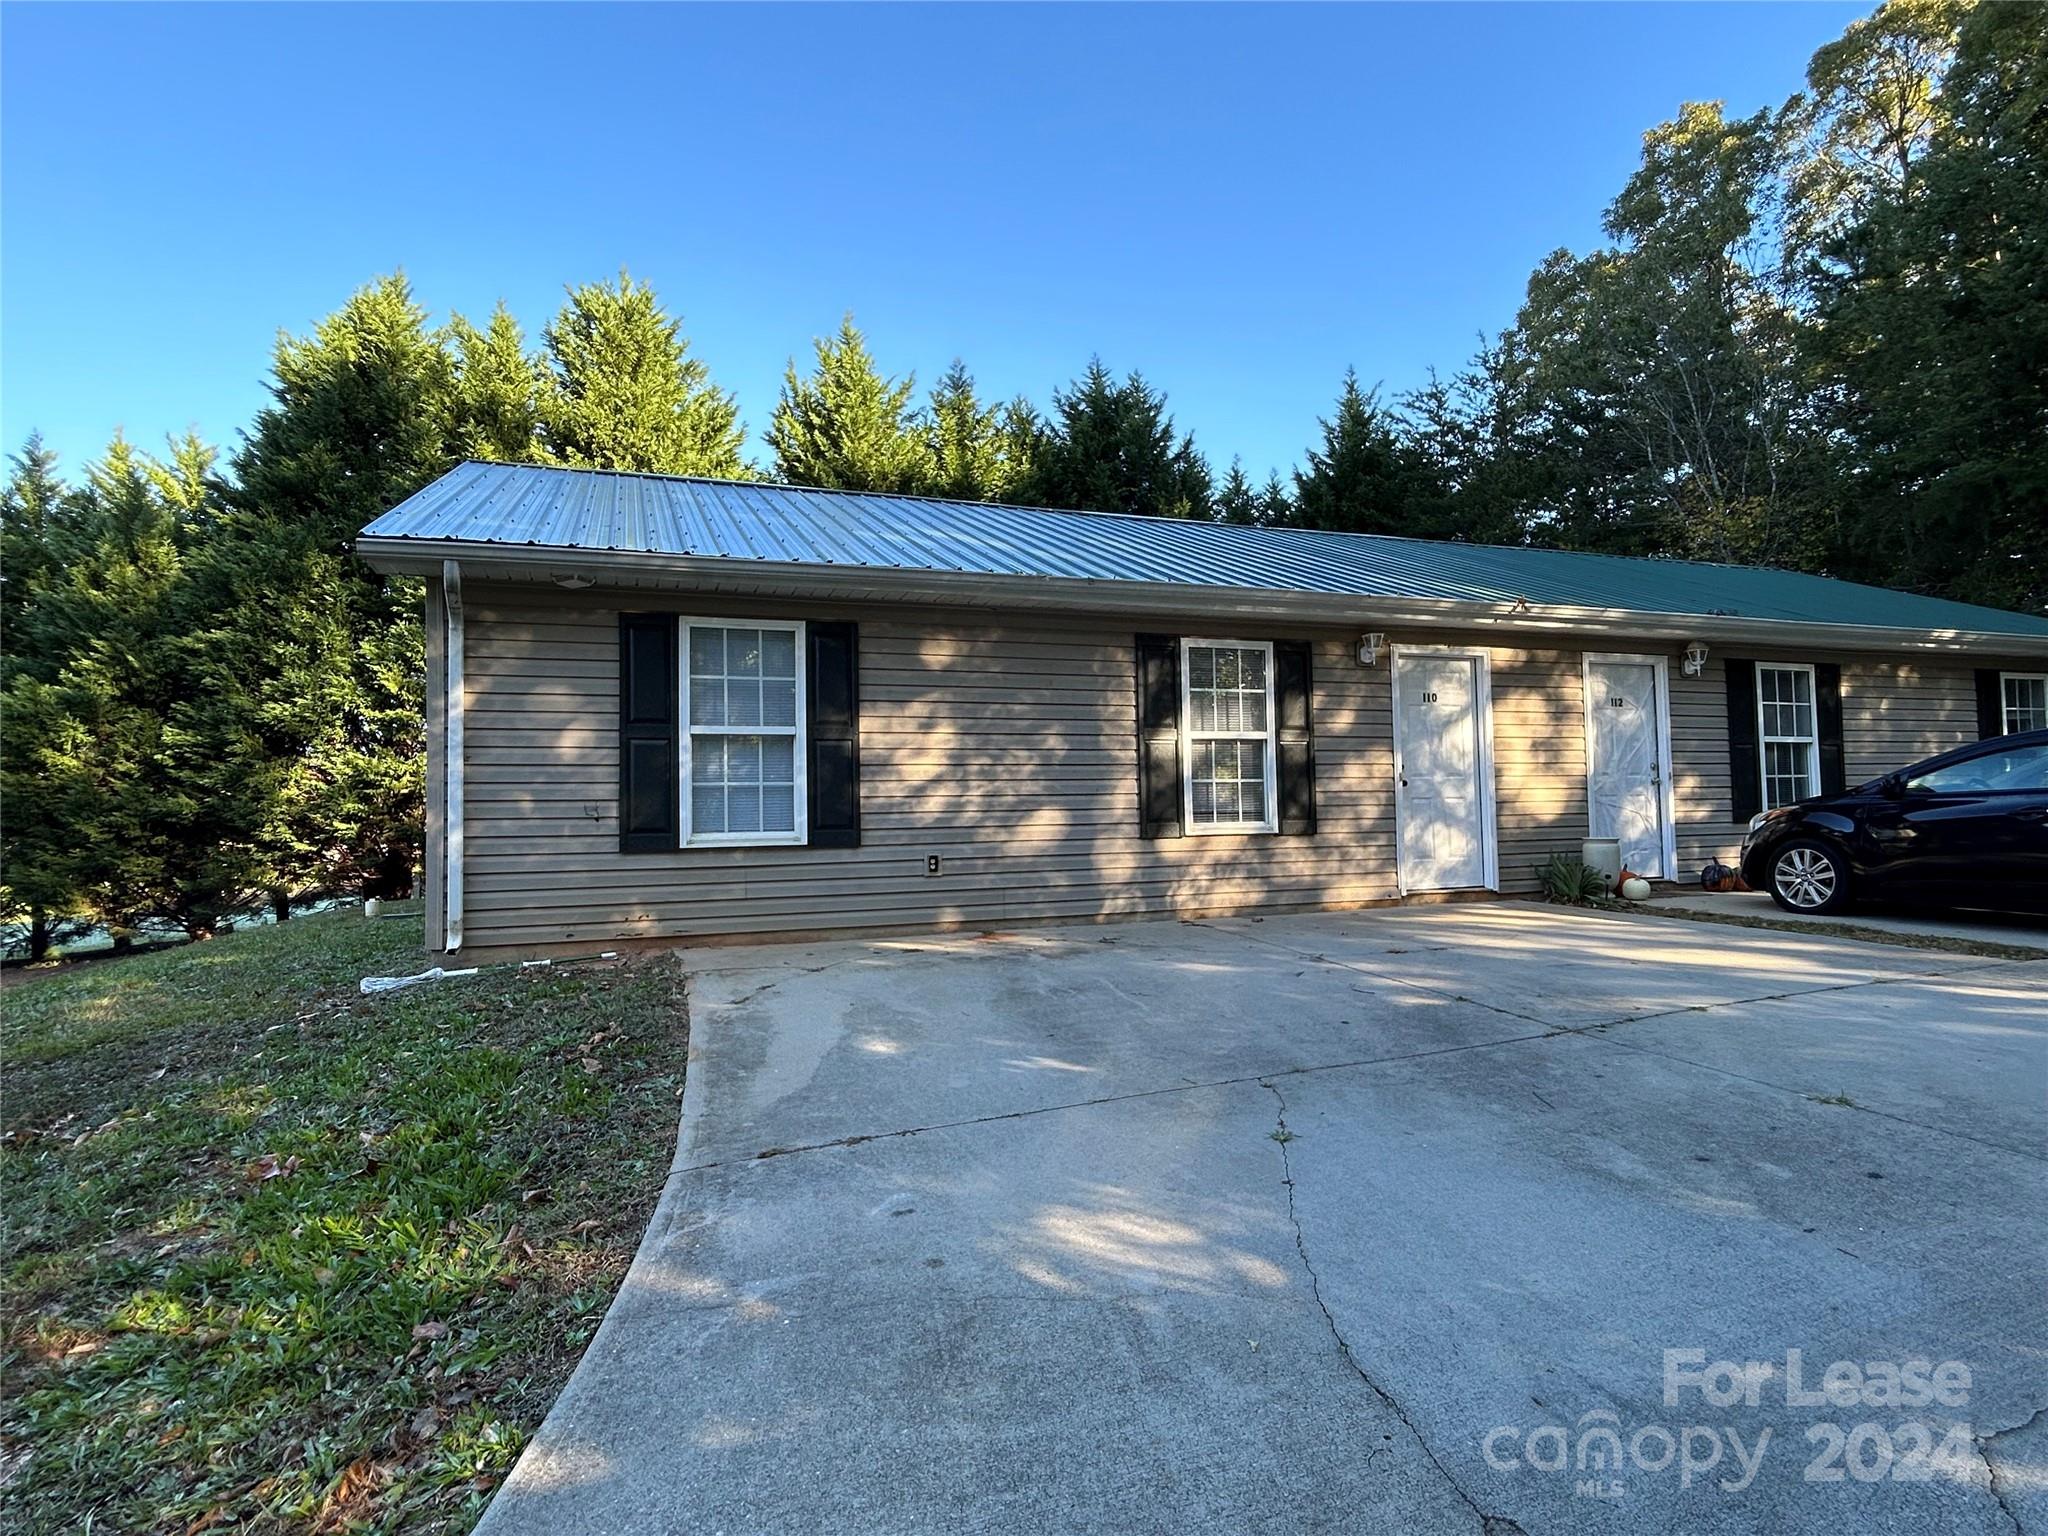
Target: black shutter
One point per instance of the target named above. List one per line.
(1745, 774)
(1159, 736)
(1990, 703)
(1294, 689)
(1827, 717)
(832, 725)
(650, 816)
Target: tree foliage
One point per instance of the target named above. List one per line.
(1111, 447)
(1815, 337)
(978, 452)
(623, 391)
(845, 426)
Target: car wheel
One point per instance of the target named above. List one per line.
(1809, 877)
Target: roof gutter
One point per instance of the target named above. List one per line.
(644, 570)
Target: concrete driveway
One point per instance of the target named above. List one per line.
(1351, 1223)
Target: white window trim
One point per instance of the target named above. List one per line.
(1189, 736)
(1489, 815)
(1665, 807)
(2005, 710)
(799, 734)
(1764, 741)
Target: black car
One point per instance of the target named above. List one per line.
(1966, 829)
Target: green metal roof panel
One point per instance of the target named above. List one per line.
(581, 509)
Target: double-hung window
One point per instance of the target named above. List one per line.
(2025, 699)
(743, 737)
(1227, 735)
(1786, 736)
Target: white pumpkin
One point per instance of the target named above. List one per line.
(1636, 888)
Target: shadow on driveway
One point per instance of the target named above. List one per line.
(1320, 1223)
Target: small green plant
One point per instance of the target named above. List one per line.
(1571, 881)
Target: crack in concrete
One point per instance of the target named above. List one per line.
(1490, 1524)
(1111, 1098)
(1595, 1031)
(1411, 983)
(1984, 1444)
(1805, 1093)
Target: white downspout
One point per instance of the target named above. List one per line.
(451, 908)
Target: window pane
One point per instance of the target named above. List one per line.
(707, 701)
(707, 650)
(1205, 802)
(1785, 773)
(707, 759)
(778, 808)
(1254, 665)
(743, 759)
(1201, 667)
(2026, 703)
(778, 653)
(742, 701)
(743, 652)
(778, 758)
(1252, 799)
(742, 810)
(707, 808)
(778, 701)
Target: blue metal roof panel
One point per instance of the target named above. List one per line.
(572, 509)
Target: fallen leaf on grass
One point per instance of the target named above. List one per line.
(425, 1424)
(536, 1196)
(348, 1499)
(430, 1330)
(268, 1167)
(588, 1224)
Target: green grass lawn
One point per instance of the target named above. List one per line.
(278, 1256)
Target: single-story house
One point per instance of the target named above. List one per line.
(669, 708)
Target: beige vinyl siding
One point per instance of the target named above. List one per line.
(1005, 746)
(1895, 711)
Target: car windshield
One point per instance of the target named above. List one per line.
(2019, 768)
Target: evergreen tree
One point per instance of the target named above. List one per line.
(32, 518)
(846, 427)
(495, 411)
(1111, 447)
(1237, 500)
(978, 452)
(1276, 506)
(106, 813)
(314, 730)
(623, 391)
(1362, 479)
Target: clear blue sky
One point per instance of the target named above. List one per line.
(1238, 201)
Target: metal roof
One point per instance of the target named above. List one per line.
(545, 508)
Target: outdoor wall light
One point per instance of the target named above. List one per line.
(1369, 648)
(1695, 658)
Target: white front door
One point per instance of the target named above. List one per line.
(1625, 737)
(1441, 769)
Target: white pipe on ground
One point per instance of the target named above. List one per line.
(451, 863)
